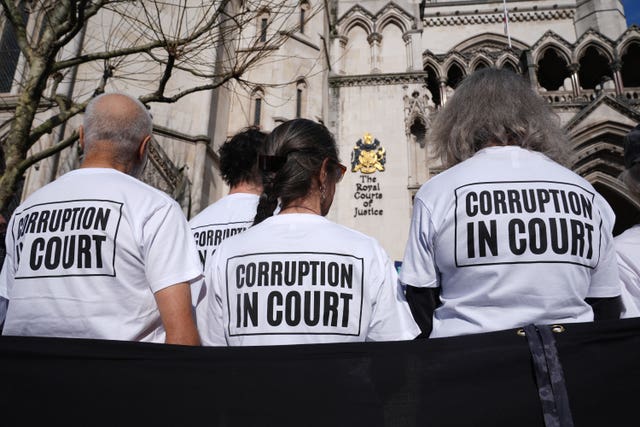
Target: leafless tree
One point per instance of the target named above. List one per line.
(140, 44)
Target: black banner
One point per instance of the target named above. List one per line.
(474, 380)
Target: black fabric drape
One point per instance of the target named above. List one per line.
(474, 380)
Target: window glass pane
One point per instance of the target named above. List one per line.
(256, 113)
(263, 30)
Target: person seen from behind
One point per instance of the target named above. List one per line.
(98, 253)
(233, 213)
(506, 236)
(628, 243)
(296, 277)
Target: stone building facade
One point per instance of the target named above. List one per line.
(376, 72)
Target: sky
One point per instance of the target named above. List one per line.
(632, 11)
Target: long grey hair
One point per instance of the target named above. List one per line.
(496, 107)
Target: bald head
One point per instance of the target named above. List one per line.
(114, 127)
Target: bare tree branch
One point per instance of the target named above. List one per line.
(43, 154)
(163, 49)
(14, 16)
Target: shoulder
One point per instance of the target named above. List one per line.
(230, 208)
(629, 237)
(353, 238)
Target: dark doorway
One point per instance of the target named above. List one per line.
(627, 214)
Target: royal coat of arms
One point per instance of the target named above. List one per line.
(368, 155)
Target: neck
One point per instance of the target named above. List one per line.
(246, 187)
(299, 209)
(306, 205)
(102, 163)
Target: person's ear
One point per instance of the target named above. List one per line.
(81, 137)
(324, 172)
(142, 150)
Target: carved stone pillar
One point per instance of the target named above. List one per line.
(412, 39)
(409, 51)
(374, 40)
(339, 45)
(443, 90)
(616, 66)
(532, 70)
(575, 79)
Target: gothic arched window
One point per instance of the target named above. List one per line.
(594, 68)
(304, 14)
(257, 105)
(301, 98)
(454, 75)
(631, 65)
(263, 24)
(552, 70)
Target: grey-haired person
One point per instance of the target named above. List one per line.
(98, 253)
(506, 236)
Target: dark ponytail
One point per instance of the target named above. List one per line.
(269, 165)
(294, 153)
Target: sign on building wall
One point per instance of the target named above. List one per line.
(368, 157)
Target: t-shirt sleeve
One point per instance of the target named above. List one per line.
(418, 266)
(7, 273)
(605, 282)
(209, 311)
(391, 318)
(171, 256)
(628, 248)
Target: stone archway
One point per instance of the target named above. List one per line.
(627, 209)
(598, 159)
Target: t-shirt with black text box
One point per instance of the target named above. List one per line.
(298, 279)
(512, 238)
(227, 217)
(86, 253)
(628, 253)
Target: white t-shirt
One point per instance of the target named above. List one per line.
(227, 217)
(512, 238)
(628, 251)
(86, 253)
(302, 279)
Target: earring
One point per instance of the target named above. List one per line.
(323, 192)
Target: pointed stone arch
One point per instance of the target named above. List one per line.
(595, 64)
(632, 35)
(559, 49)
(548, 39)
(598, 158)
(357, 21)
(629, 55)
(616, 194)
(434, 77)
(509, 61)
(552, 67)
(456, 72)
(392, 14)
(356, 16)
(597, 41)
(489, 39)
(480, 61)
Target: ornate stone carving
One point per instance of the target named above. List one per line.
(418, 106)
(161, 173)
(489, 18)
(377, 79)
